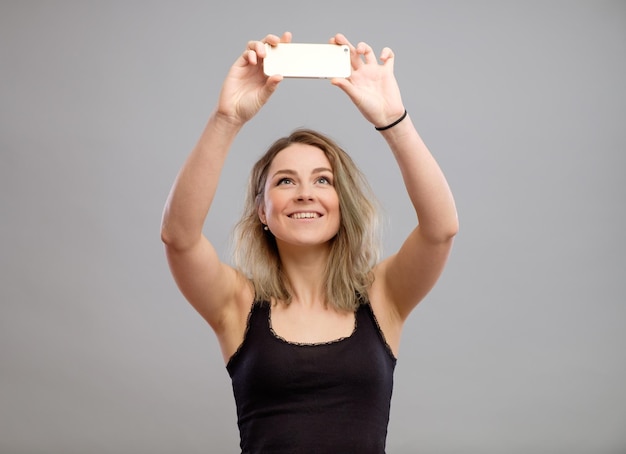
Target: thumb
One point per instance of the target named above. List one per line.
(269, 88)
(272, 83)
(346, 86)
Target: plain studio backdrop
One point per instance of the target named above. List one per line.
(519, 348)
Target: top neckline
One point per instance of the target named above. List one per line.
(310, 344)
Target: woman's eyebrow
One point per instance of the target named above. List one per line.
(322, 169)
(293, 172)
(284, 172)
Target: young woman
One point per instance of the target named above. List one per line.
(309, 322)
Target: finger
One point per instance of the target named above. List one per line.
(274, 39)
(355, 58)
(271, 39)
(270, 87)
(254, 49)
(387, 57)
(250, 56)
(286, 38)
(366, 51)
(339, 38)
(340, 82)
(272, 82)
(346, 86)
(258, 48)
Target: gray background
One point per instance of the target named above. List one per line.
(520, 347)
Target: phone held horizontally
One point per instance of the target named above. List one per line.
(307, 60)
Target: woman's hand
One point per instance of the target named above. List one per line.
(246, 88)
(372, 86)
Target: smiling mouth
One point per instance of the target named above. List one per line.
(308, 215)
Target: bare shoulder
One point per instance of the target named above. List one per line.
(385, 312)
(230, 329)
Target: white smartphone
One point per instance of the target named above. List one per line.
(317, 61)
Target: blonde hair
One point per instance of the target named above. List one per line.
(354, 250)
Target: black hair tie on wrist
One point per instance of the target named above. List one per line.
(382, 128)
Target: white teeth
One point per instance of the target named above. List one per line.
(304, 215)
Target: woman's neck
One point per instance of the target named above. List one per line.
(305, 269)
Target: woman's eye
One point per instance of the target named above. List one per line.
(324, 180)
(284, 181)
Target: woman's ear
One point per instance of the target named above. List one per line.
(261, 213)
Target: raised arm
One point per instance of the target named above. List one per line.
(209, 285)
(407, 276)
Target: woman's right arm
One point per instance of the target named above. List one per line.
(212, 287)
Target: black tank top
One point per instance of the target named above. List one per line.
(323, 398)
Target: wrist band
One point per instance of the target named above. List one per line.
(382, 128)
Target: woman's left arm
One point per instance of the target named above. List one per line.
(408, 275)
(412, 272)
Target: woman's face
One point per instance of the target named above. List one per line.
(301, 206)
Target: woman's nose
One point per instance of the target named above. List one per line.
(305, 192)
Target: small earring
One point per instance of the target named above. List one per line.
(266, 228)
